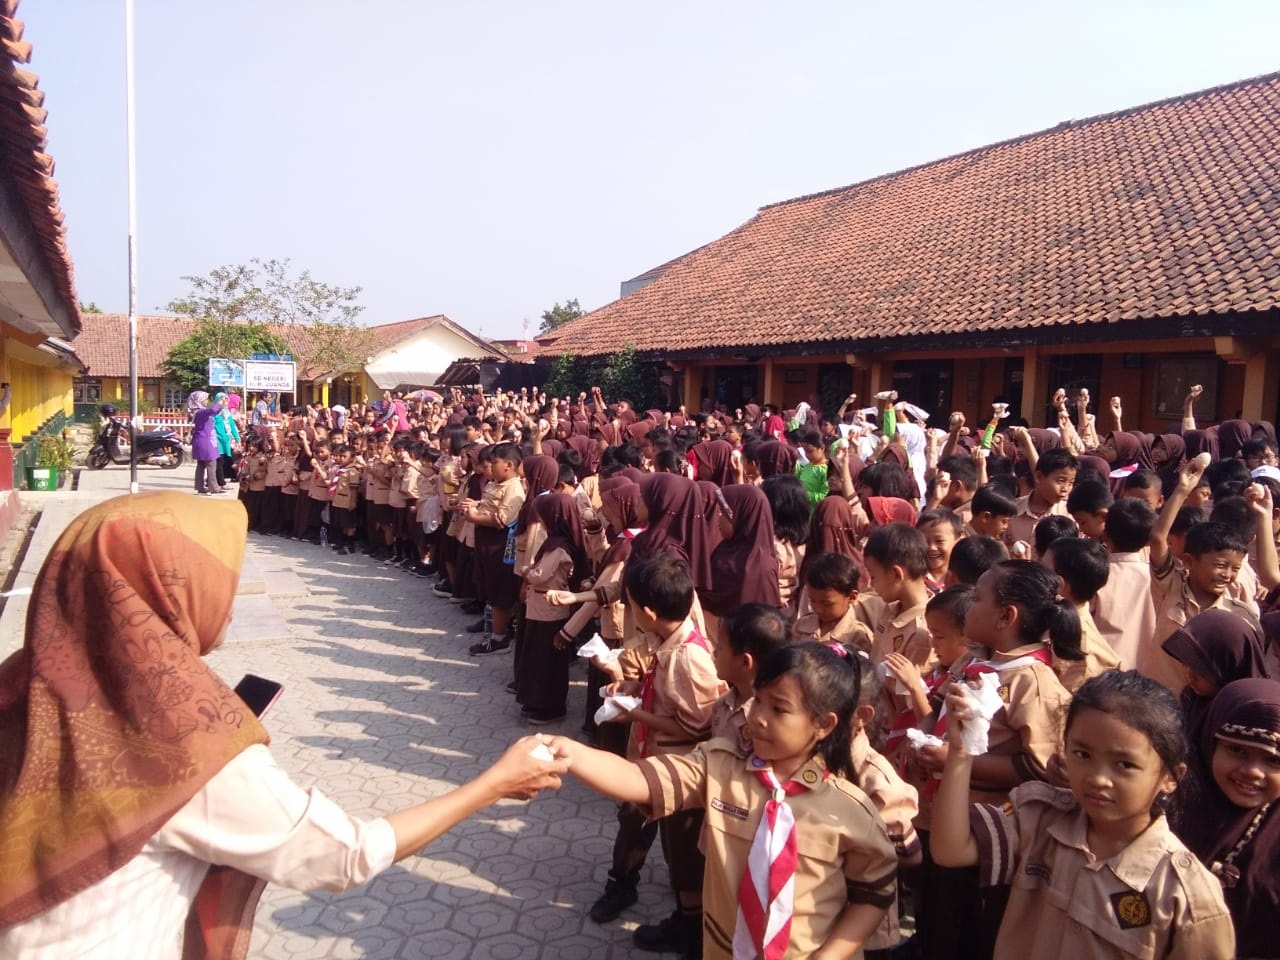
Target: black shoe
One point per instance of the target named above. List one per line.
(472, 607)
(488, 647)
(540, 718)
(678, 933)
(442, 589)
(419, 570)
(617, 896)
(429, 569)
(511, 687)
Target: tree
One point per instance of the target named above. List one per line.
(89, 307)
(558, 315)
(188, 360)
(264, 294)
(620, 376)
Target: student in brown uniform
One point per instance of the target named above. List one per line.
(793, 794)
(1054, 475)
(896, 570)
(1094, 871)
(318, 491)
(750, 633)
(831, 587)
(344, 484)
(279, 472)
(496, 582)
(1083, 567)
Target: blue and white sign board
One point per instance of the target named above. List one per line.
(225, 373)
(278, 376)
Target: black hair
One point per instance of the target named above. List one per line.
(1033, 589)
(567, 475)
(1234, 512)
(661, 582)
(338, 450)
(829, 683)
(1271, 485)
(1006, 484)
(1049, 530)
(953, 602)
(944, 516)
(961, 469)
(667, 461)
(628, 454)
(1141, 704)
(887, 479)
(454, 438)
(657, 441)
(869, 693)
(571, 457)
(1089, 497)
(811, 438)
(475, 423)
(1083, 566)
(1129, 523)
(789, 503)
(1258, 447)
(1186, 518)
(1143, 480)
(757, 629)
(1224, 471)
(833, 571)
(1211, 537)
(1056, 459)
(901, 545)
(506, 451)
(987, 499)
(974, 556)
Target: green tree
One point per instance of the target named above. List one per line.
(89, 307)
(188, 361)
(266, 294)
(558, 315)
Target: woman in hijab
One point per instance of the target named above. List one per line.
(228, 437)
(130, 767)
(672, 513)
(1235, 829)
(204, 446)
(712, 511)
(1168, 453)
(713, 460)
(772, 458)
(744, 568)
(1201, 441)
(589, 452)
(1232, 435)
(542, 677)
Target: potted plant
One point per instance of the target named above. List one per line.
(53, 458)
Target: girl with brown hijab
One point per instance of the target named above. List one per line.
(713, 460)
(129, 766)
(673, 516)
(743, 567)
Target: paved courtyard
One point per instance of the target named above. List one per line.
(383, 708)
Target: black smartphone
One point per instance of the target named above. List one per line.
(258, 693)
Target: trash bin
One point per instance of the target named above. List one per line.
(42, 478)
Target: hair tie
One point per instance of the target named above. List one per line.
(838, 649)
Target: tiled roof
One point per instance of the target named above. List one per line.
(1166, 210)
(103, 343)
(23, 142)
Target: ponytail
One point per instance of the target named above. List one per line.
(1033, 589)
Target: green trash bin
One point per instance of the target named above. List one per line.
(42, 478)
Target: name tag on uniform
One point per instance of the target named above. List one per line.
(730, 809)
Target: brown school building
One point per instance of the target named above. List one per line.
(1134, 254)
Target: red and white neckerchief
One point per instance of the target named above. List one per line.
(646, 692)
(334, 479)
(766, 893)
(1119, 473)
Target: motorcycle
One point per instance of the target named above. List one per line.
(161, 448)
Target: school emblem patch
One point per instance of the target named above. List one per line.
(1003, 690)
(809, 777)
(1132, 910)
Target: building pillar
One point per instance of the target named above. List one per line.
(767, 394)
(690, 394)
(1033, 399)
(6, 451)
(1260, 386)
(324, 392)
(876, 376)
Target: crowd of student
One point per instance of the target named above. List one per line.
(800, 602)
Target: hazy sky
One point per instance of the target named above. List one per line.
(484, 160)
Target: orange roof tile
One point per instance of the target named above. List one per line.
(1166, 210)
(23, 142)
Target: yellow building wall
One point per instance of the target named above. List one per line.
(38, 394)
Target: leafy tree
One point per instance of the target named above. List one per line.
(620, 375)
(89, 307)
(264, 293)
(558, 315)
(188, 361)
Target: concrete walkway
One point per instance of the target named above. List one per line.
(382, 708)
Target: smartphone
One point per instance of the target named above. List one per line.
(258, 693)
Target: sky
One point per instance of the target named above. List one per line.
(486, 160)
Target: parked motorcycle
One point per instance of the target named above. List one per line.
(161, 448)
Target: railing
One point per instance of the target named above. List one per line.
(24, 453)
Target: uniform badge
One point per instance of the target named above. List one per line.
(1003, 690)
(1132, 910)
(809, 777)
(757, 762)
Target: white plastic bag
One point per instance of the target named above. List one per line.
(615, 707)
(986, 704)
(597, 649)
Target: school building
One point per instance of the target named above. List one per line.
(39, 312)
(1134, 254)
(407, 354)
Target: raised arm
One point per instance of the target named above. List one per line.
(951, 842)
(1189, 407)
(1263, 510)
(1188, 479)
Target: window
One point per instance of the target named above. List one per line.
(174, 396)
(87, 391)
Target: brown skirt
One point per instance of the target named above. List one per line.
(542, 681)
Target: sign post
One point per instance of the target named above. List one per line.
(276, 376)
(225, 373)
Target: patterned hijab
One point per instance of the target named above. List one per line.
(110, 717)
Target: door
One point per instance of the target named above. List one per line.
(1073, 372)
(927, 384)
(736, 386)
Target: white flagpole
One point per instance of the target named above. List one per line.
(133, 252)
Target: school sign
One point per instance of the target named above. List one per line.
(276, 376)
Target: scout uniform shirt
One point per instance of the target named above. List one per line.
(279, 471)
(1099, 657)
(848, 631)
(1153, 899)
(395, 485)
(380, 472)
(897, 803)
(1022, 525)
(344, 494)
(258, 472)
(902, 631)
(844, 854)
(503, 500)
(1123, 610)
(1175, 605)
(729, 720)
(1029, 727)
(685, 688)
(320, 479)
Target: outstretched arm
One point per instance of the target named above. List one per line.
(603, 772)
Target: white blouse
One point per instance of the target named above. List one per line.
(250, 816)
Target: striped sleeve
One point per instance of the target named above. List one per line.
(870, 864)
(995, 830)
(676, 782)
